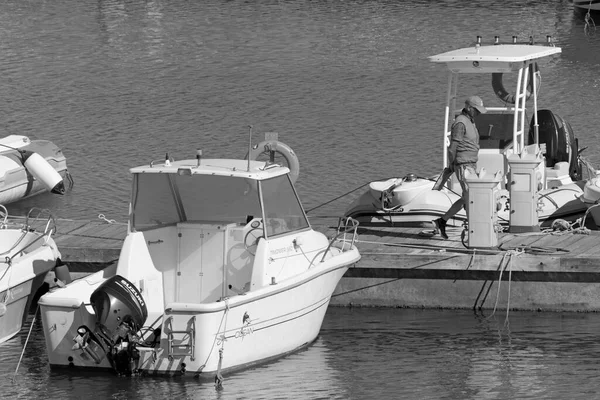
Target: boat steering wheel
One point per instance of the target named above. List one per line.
(255, 232)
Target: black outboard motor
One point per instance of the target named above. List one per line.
(120, 314)
(561, 145)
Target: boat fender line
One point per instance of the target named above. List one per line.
(281, 148)
(43, 172)
(508, 97)
(218, 377)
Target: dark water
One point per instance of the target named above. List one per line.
(368, 354)
(348, 86)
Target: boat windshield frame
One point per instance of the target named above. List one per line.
(165, 199)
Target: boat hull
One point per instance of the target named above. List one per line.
(16, 310)
(584, 5)
(252, 328)
(22, 277)
(248, 333)
(563, 202)
(16, 182)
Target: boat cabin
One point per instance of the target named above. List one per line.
(212, 229)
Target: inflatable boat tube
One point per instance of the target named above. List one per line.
(273, 145)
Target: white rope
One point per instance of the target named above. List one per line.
(509, 266)
(26, 341)
(590, 26)
(103, 217)
(218, 377)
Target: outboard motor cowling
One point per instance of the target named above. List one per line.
(558, 136)
(118, 300)
(120, 314)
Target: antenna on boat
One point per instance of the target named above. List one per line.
(249, 145)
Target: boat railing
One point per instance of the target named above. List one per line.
(41, 217)
(21, 243)
(346, 235)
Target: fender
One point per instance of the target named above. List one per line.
(41, 170)
(505, 95)
(281, 148)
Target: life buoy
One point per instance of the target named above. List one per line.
(281, 148)
(505, 95)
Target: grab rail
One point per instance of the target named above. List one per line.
(26, 228)
(346, 225)
(41, 212)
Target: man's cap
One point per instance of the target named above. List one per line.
(475, 101)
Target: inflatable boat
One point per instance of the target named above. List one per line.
(415, 199)
(30, 167)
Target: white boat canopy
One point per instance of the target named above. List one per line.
(257, 170)
(493, 58)
(497, 58)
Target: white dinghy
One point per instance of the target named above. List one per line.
(418, 199)
(30, 167)
(220, 270)
(26, 256)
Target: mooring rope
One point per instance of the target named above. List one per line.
(344, 195)
(590, 26)
(223, 319)
(337, 198)
(26, 341)
(509, 266)
(218, 377)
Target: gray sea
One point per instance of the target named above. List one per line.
(347, 84)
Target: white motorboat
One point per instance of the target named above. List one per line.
(420, 199)
(30, 167)
(220, 270)
(26, 256)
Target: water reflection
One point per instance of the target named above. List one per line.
(368, 354)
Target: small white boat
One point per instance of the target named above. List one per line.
(415, 199)
(30, 167)
(26, 256)
(220, 270)
(587, 5)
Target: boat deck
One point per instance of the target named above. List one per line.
(550, 256)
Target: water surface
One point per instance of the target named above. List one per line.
(347, 84)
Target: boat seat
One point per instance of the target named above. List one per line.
(558, 175)
(380, 186)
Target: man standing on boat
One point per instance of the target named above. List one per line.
(463, 154)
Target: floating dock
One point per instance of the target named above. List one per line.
(410, 267)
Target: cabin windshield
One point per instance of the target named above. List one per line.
(163, 199)
(283, 210)
(495, 130)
